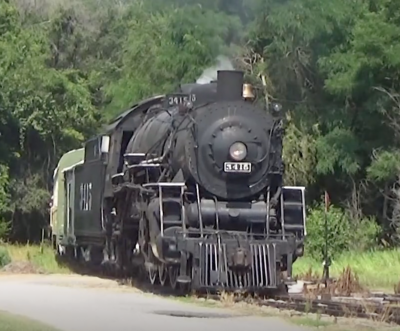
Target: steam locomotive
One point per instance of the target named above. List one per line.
(187, 187)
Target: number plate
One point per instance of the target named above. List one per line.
(172, 100)
(242, 167)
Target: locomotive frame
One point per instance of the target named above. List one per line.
(92, 184)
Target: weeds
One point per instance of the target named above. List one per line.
(348, 283)
(33, 257)
(4, 257)
(376, 270)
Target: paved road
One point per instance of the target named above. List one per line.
(75, 308)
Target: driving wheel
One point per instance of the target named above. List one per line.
(173, 273)
(152, 275)
(162, 274)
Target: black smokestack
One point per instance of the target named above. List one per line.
(230, 85)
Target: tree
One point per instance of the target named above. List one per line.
(164, 49)
(44, 111)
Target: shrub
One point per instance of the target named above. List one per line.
(343, 233)
(4, 257)
(4, 228)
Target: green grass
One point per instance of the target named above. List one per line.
(10, 322)
(376, 270)
(42, 257)
(310, 322)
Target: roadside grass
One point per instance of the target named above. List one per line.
(311, 322)
(378, 270)
(40, 256)
(317, 323)
(9, 322)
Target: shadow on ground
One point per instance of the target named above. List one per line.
(136, 277)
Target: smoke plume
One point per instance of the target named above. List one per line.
(209, 74)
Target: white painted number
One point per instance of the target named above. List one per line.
(181, 99)
(86, 196)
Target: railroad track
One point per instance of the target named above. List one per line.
(374, 306)
(383, 307)
(385, 311)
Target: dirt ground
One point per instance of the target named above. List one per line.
(73, 280)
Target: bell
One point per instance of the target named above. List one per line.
(248, 91)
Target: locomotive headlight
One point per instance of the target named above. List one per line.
(238, 151)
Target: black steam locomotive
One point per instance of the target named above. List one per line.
(187, 187)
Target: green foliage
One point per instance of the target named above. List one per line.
(44, 111)
(4, 257)
(385, 166)
(5, 228)
(343, 233)
(329, 63)
(299, 156)
(170, 48)
(338, 149)
(4, 194)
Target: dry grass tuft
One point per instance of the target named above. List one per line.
(346, 284)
